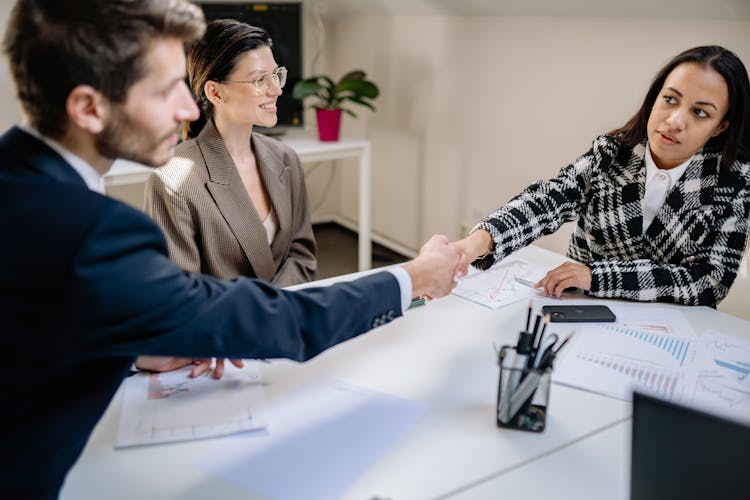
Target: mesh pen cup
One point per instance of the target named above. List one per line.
(522, 393)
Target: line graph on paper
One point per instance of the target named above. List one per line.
(497, 286)
(723, 379)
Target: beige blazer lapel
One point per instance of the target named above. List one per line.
(235, 205)
(276, 179)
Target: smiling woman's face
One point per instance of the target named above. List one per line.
(241, 102)
(688, 111)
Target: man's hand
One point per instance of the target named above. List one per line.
(567, 275)
(433, 271)
(166, 363)
(204, 365)
(161, 363)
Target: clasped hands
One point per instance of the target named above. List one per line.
(434, 273)
(567, 275)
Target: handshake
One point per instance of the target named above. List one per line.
(439, 266)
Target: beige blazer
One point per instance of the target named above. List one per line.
(209, 220)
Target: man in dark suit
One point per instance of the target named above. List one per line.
(86, 283)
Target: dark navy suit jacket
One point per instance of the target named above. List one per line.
(86, 286)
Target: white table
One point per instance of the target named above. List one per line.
(309, 151)
(441, 355)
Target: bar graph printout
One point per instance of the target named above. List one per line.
(497, 286)
(649, 348)
(664, 358)
(171, 406)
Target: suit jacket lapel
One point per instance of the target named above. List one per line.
(275, 175)
(234, 203)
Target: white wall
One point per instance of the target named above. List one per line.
(473, 109)
(9, 111)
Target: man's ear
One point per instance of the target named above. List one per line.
(87, 108)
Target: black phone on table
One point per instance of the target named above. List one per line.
(579, 314)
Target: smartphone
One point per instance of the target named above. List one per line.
(579, 314)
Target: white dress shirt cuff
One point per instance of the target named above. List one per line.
(404, 283)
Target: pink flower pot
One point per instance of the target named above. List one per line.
(329, 124)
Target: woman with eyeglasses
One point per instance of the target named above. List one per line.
(233, 202)
(662, 203)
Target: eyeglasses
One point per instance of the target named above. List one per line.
(263, 82)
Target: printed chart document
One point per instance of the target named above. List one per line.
(497, 286)
(323, 437)
(660, 354)
(723, 376)
(171, 406)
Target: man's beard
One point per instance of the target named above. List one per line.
(123, 139)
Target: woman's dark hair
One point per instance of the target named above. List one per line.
(734, 142)
(213, 57)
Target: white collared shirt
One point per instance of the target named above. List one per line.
(90, 176)
(659, 182)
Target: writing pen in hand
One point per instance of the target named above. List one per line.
(531, 284)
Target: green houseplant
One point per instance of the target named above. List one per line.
(329, 97)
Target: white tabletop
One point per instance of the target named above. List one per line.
(441, 355)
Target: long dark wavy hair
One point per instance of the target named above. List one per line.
(213, 57)
(734, 142)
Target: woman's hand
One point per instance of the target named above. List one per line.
(567, 275)
(475, 245)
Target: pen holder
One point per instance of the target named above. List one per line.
(522, 394)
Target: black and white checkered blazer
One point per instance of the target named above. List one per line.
(691, 252)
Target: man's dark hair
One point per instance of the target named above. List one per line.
(53, 46)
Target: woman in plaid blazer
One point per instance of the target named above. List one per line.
(662, 203)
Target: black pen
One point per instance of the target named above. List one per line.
(541, 335)
(565, 341)
(550, 354)
(528, 315)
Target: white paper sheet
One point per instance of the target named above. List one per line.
(324, 435)
(640, 351)
(164, 407)
(497, 286)
(710, 372)
(723, 376)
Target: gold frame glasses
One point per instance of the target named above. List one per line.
(263, 82)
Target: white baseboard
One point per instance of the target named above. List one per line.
(377, 238)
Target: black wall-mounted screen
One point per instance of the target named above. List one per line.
(283, 21)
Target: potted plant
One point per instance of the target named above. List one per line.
(353, 86)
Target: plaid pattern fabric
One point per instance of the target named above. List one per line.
(689, 254)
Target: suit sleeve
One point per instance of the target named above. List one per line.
(544, 206)
(301, 263)
(171, 211)
(705, 276)
(129, 299)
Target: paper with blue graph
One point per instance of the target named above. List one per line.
(723, 375)
(171, 406)
(654, 350)
(498, 286)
